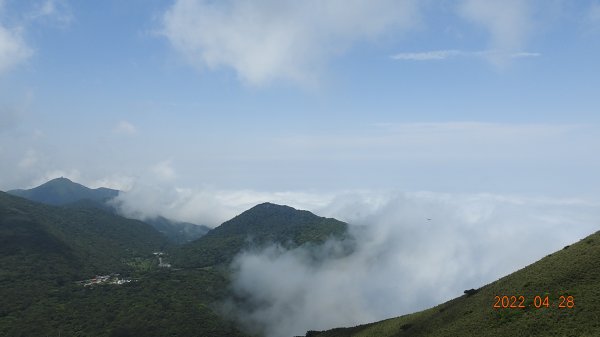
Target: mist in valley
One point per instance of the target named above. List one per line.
(407, 251)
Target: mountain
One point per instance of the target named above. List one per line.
(44, 246)
(64, 192)
(45, 249)
(573, 271)
(176, 231)
(262, 224)
(61, 191)
(90, 240)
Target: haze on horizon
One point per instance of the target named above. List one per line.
(465, 96)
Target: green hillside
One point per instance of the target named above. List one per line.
(61, 191)
(573, 271)
(175, 231)
(262, 224)
(99, 238)
(45, 249)
(64, 192)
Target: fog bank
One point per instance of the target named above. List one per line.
(414, 250)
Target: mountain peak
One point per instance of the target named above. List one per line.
(272, 207)
(262, 224)
(61, 191)
(60, 179)
(267, 217)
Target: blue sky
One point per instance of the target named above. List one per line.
(465, 96)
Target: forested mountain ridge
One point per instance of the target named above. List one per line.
(46, 249)
(262, 224)
(97, 238)
(64, 192)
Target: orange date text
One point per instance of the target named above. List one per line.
(519, 302)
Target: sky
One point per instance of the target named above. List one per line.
(449, 96)
(482, 115)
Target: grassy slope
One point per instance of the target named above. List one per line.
(572, 271)
(262, 224)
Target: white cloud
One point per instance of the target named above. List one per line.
(509, 23)
(13, 49)
(207, 206)
(125, 128)
(402, 262)
(524, 54)
(428, 55)
(269, 40)
(436, 55)
(116, 181)
(57, 11)
(29, 159)
(164, 171)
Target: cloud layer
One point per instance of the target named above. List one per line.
(206, 206)
(459, 156)
(403, 262)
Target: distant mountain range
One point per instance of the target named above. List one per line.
(64, 192)
(46, 250)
